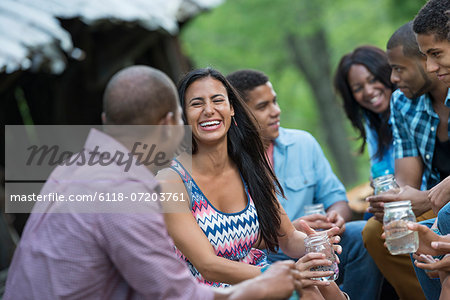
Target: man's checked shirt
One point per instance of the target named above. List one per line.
(414, 126)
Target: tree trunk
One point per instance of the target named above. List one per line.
(311, 57)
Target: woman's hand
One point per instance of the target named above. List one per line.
(427, 238)
(438, 265)
(332, 235)
(305, 275)
(426, 259)
(443, 246)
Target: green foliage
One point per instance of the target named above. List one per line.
(251, 34)
(399, 9)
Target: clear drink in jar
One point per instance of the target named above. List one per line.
(319, 243)
(399, 239)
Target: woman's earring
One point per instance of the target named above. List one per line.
(234, 120)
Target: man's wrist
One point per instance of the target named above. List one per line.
(248, 289)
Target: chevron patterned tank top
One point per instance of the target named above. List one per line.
(232, 235)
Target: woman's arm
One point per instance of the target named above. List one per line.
(291, 241)
(191, 240)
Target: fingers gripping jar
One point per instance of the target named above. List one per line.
(399, 239)
(319, 243)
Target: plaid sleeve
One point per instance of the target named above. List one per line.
(404, 143)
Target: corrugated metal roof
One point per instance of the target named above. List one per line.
(30, 33)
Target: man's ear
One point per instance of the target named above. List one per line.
(103, 118)
(167, 119)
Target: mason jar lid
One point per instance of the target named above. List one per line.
(314, 206)
(383, 179)
(397, 204)
(316, 238)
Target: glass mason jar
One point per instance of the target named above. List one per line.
(384, 183)
(315, 209)
(319, 243)
(399, 239)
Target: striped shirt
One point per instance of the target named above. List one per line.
(93, 256)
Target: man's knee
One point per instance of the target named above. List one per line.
(371, 234)
(353, 232)
(444, 219)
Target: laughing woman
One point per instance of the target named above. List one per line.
(233, 210)
(363, 81)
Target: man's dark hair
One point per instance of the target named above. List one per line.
(246, 80)
(404, 36)
(447, 14)
(431, 19)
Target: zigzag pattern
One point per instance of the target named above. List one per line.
(231, 235)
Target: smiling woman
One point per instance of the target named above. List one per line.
(363, 81)
(208, 110)
(233, 210)
(367, 90)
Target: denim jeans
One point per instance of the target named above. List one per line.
(444, 219)
(431, 287)
(360, 276)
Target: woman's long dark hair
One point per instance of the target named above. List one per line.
(375, 60)
(247, 151)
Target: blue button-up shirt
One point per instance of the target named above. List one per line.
(414, 126)
(304, 173)
(386, 160)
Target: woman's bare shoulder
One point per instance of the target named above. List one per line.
(170, 173)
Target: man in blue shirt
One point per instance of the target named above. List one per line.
(307, 178)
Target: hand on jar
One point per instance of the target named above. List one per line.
(304, 266)
(428, 239)
(376, 203)
(419, 201)
(332, 235)
(314, 221)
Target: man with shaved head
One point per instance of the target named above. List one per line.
(139, 95)
(121, 249)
